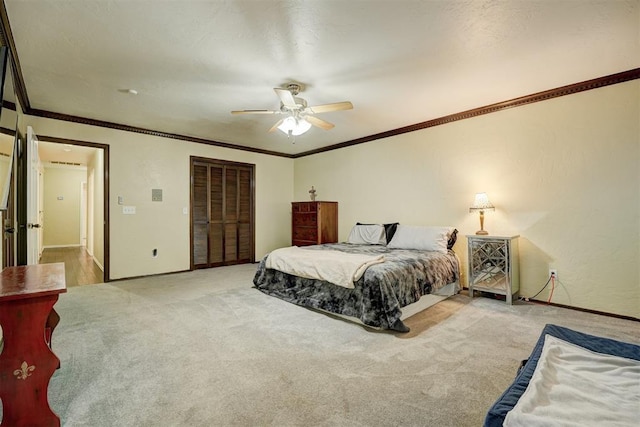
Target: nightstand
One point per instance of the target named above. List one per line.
(493, 265)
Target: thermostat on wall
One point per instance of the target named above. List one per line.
(156, 195)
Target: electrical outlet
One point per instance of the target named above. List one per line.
(553, 273)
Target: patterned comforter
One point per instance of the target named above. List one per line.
(378, 296)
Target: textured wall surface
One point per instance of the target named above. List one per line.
(96, 166)
(61, 197)
(564, 174)
(140, 163)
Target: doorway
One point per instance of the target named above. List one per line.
(72, 209)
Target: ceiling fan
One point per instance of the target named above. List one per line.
(299, 115)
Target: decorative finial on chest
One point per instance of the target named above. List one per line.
(312, 194)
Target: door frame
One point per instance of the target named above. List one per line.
(21, 199)
(32, 225)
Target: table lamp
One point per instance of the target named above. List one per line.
(482, 203)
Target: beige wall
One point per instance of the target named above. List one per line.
(61, 197)
(140, 163)
(96, 207)
(564, 174)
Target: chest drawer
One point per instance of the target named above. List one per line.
(304, 207)
(305, 233)
(305, 219)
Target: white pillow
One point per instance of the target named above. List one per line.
(367, 235)
(421, 237)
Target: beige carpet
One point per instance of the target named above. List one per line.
(206, 349)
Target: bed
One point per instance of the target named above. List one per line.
(510, 408)
(378, 297)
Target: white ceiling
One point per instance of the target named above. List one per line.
(50, 152)
(399, 62)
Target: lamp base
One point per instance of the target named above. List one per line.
(482, 232)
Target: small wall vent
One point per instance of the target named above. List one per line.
(55, 162)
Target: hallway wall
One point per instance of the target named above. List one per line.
(61, 208)
(95, 211)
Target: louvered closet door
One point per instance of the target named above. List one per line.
(199, 215)
(245, 215)
(222, 213)
(216, 216)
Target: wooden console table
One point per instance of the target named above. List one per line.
(27, 318)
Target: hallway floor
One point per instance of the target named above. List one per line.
(79, 267)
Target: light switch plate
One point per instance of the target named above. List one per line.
(129, 210)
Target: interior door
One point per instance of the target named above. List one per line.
(222, 217)
(8, 232)
(40, 208)
(33, 198)
(8, 143)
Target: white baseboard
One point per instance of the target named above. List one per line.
(98, 264)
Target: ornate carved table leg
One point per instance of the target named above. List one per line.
(52, 322)
(26, 362)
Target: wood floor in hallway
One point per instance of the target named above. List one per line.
(79, 267)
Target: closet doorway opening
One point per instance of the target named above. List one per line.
(222, 213)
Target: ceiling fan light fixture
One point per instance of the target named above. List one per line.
(293, 126)
(299, 116)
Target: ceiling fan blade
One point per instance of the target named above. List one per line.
(323, 124)
(275, 127)
(255, 112)
(286, 97)
(325, 108)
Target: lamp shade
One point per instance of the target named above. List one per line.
(482, 203)
(293, 126)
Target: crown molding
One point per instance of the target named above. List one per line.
(100, 123)
(6, 37)
(596, 83)
(586, 85)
